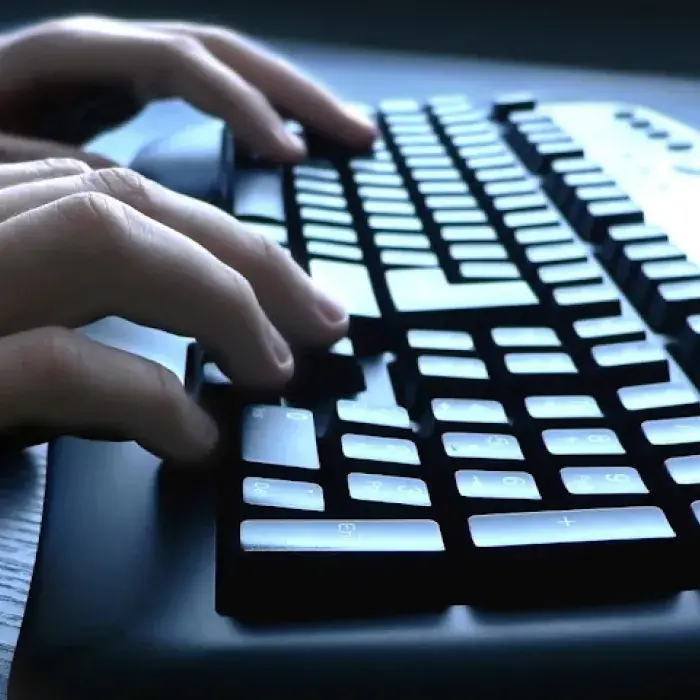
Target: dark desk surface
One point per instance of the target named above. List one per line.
(359, 75)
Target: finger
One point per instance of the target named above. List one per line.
(195, 74)
(300, 310)
(87, 256)
(59, 379)
(18, 173)
(16, 149)
(282, 83)
(159, 65)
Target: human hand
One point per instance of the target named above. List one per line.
(78, 244)
(52, 70)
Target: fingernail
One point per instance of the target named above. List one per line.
(282, 351)
(204, 429)
(333, 311)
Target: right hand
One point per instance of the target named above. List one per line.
(78, 244)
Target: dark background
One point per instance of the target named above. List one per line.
(644, 35)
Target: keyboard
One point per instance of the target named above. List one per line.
(513, 419)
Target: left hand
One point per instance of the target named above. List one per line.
(50, 69)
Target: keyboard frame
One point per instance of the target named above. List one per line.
(125, 606)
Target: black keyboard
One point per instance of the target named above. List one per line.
(513, 419)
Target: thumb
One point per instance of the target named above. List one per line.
(18, 149)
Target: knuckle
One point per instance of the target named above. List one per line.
(99, 220)
(89, 210)
(53, 358)
(68, 166)
(182, 46)
(122, 184)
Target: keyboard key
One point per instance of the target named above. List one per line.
(452, 341)
(322, 200)
(634, 255)
(488, 271)
(464, 216)
(475, 411)
(620, 236)
(279, 493)
(475, 483)
(520, 202)
(672, 431)
(398, 194)
(538, 217)
(327, 174)
(357, 413)
(468, 234)
(685, 471)
(478, 251)
(450, 202)
(656, 397)
(349, 283)
(560, 527)
(600, 216)
(603, 481)
(562, 407)
(582, 441)
(279, 436)
(400, 490)
(423, 175)
(442, 188)
(631, 363)
(511, 187)
(333, 234)
(397, 106)
(322, 536)
(544, 363)
(482, 446)
(452, 367)
(571, 273)
(556, 253)
(534, 337)
(653, 273)
(378, 179)
(416, 241)
(543, 235)
(380, 222)
(408, 258)
(672, 303)
(428, 162)
(610, 329)
(513, 172)
(587, 300)
(370, 448)
(326, 216)
(334, 251)
(390, 207)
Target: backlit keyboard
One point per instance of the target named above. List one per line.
(514, 417)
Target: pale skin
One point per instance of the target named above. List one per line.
(80, 240)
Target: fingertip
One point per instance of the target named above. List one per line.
(202, 434)
(362, 129)
(287, 147)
